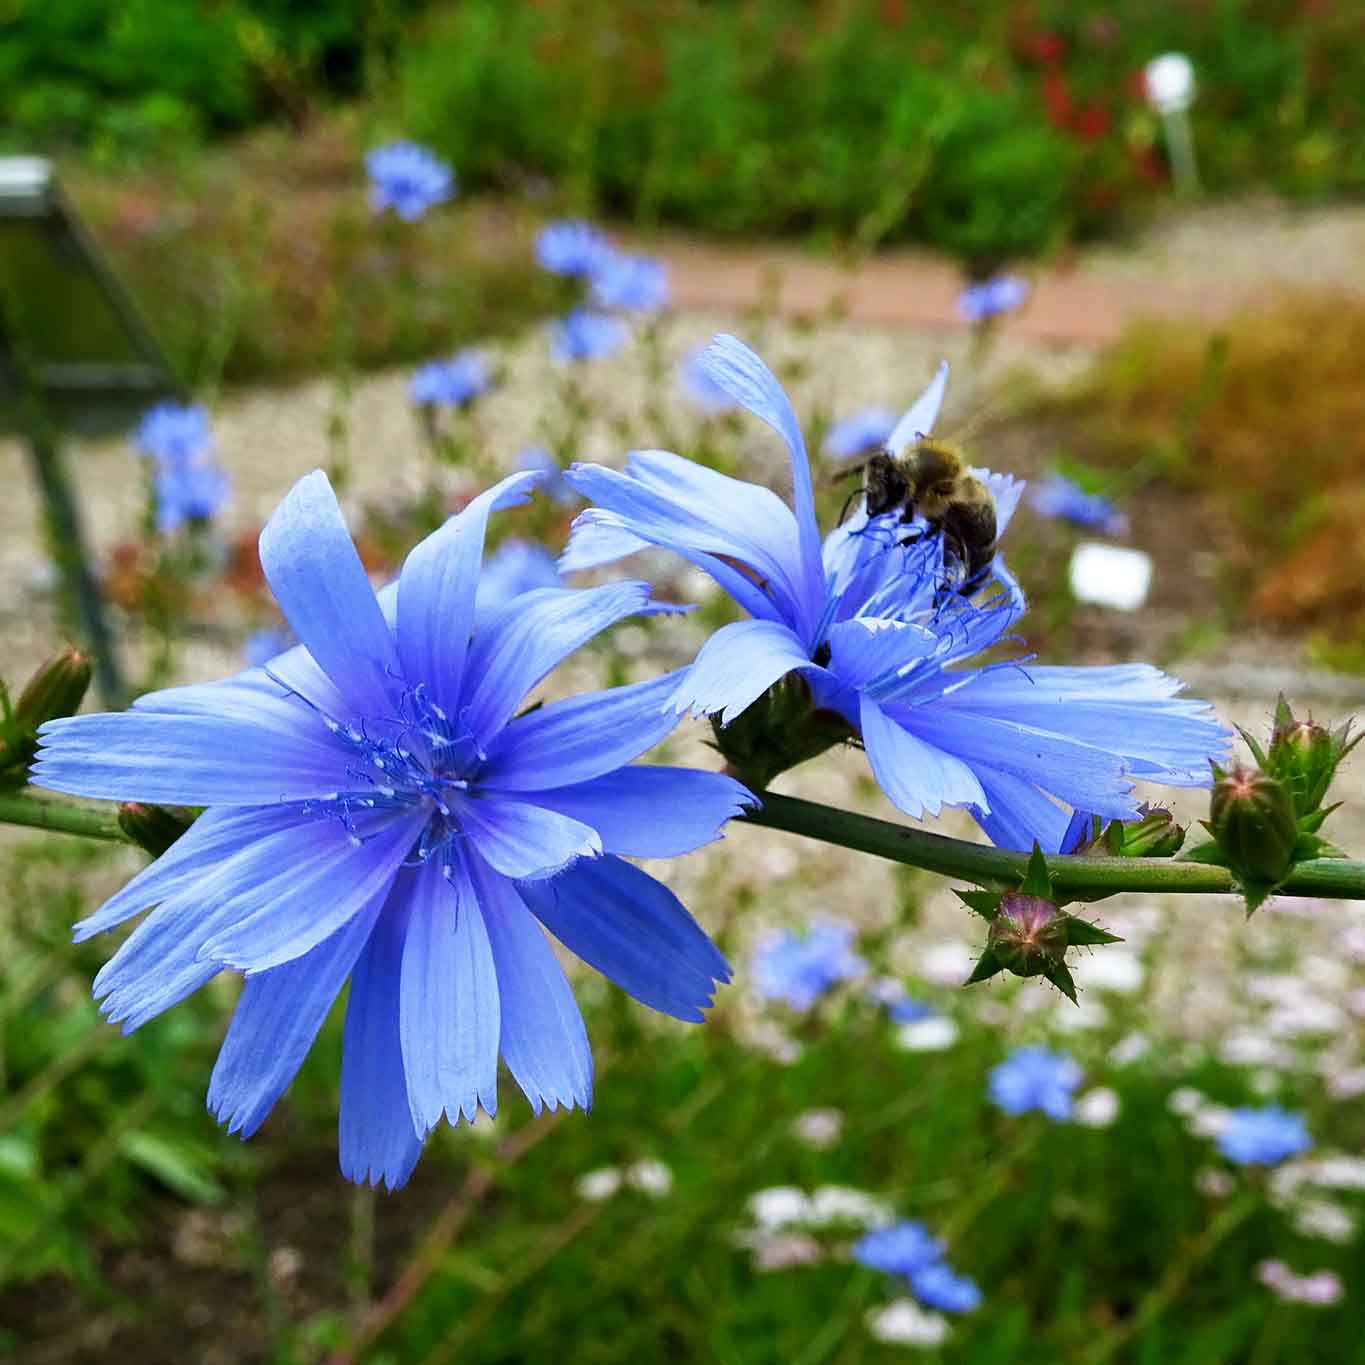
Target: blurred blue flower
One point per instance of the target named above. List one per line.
(407, 178)
(378, 809)
(571, 247)
(553, 482)
(938, 1286)
(900, 1007)
(453, 382)
(865, 620)
(1263, 1137)
(1057, 496)
(1000, 294)
(799, 968)
(695, 378)
(191, 490)
(866, 431)
(515, 567)
(906, 1249)
(263, 645)
(1034, 1078)
(586, 335)
(901, 1249)
(635, 283)
(174, 433)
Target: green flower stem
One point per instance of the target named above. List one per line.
(1002, 869)
(61, 814)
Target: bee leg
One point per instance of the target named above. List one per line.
(848, 502)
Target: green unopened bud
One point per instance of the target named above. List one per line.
(1251, 815)
(1304, 756)
(154, 827)
(55, 690)
(1154, 834)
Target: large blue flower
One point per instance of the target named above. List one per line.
(378, 809)
(864, 619)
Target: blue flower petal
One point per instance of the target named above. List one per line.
(581, 737)
(736, 666)
(736, 369)
(304, 898)
(215, 836)
(1019, 813)
(448, 1015)
(528, 638)
(438, 588)
(869, 648)
(542, 1039)
(1079, 774)
(377, 1139)
(189, 759)
(635, 931)
(276, 1020)
(313, 569)
(916, 775)
(921, 415)
(652, 812)
(524, 841)
(699, 513)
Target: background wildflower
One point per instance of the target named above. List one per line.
(637, 284)
(1035, 1078)
(586, 335)
(1263, 1137)
(1062, 498)
(1000, 294)
(572, 247)
(453, 382)
(799, 968)
(865, 431)
(407, 178)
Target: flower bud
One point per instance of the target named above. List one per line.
(1154, 834)
(781, 729)
(55, 690)
(1028, 934)
(1252, 818)
(1304, 756)
(153, 827)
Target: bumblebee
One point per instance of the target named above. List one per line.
(932, 480)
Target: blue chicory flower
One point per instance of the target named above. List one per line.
(571, 247)
(866, 431)
(407, 178)
(635, 283)
(1263, 1137)
(939, 1286)
(1035, 1078)
(696, 382)
(453, 382)
(377, 809)
(174, 433)
(586, 335)
(800, 968)
(865, 621)
(901, 1249)
(1065, 500)
(188, 484)
(900, 1007)
(553, 483)
(990, 298)
(515, 567)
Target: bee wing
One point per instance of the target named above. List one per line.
(923, 412)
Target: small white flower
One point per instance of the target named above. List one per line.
(1328, 1221)
(1209, 1121)
(840, 1204)
(1346, 1085)
(1114, 969)
(650, 1177)
(1129, 1048)
(784, 1250)
(598, 1185)
(904, 1323)
(819, 1128)
(927, 1035)
(1213, 1183)
(1253, 1049)
(1097, 1108)
(948, 963)
(1186, 1101)
(779, 1207)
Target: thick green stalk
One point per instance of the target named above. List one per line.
(999, 869)
(61, 814)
